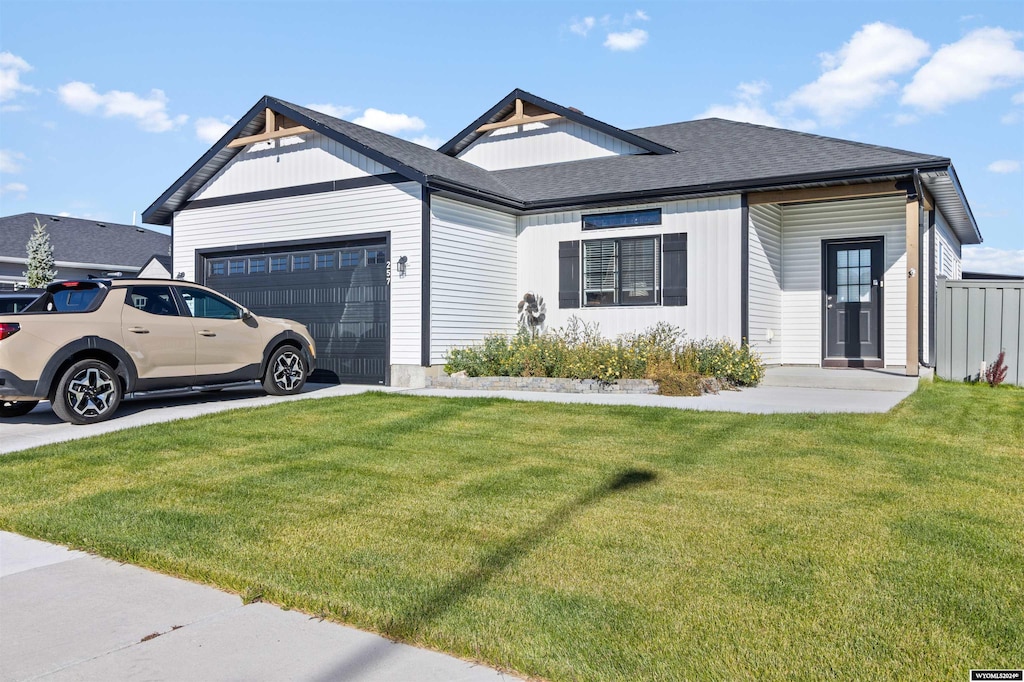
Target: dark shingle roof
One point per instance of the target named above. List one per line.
(710, 153)
(704, 156)
(83, 241)
(426, 161)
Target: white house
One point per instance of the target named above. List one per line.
(819, 251)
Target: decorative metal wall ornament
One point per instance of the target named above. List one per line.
(532, 313)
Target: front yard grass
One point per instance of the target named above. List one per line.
(577, 542)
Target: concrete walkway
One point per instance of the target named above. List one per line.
(67, 615)
(784, 390)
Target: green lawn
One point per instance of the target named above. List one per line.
(575, 542)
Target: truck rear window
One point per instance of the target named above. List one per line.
(73, 301)
(70, 297)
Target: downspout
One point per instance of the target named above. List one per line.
(920, 260)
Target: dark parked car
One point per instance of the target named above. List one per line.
(16, 301)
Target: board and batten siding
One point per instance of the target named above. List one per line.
(804, 228)
(765, 282)
(714, 244)
(288, 162)
(382, 208)
(473, 288)
(536, 144)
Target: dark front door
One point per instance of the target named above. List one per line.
(853, 303)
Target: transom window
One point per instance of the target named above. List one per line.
(376, 257)
(324, 261)
(278, 263)
(218, 268)
(621, 271)
(257, 265)
(303, 262)
(236, 267)
(350, 259)
(622, 219)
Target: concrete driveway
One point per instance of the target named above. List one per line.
(42, 427)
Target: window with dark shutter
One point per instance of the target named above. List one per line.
(674, 264)
(621, 271)
(569, 274)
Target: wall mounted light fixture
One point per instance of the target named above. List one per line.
(402, 262)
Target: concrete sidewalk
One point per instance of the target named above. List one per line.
(67, 615)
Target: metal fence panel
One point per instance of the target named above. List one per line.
(975, 320)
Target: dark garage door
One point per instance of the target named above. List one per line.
(339, 291)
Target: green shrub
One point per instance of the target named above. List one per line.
(723, 359)
(578, 351)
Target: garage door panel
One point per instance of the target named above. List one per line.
(339, 292)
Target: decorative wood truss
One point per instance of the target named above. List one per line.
(520, 117)
(270, 131)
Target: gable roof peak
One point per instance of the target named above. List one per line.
(511, 110)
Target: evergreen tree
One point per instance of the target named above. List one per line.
(40, 258)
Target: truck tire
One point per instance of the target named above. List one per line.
(16, 408)
(89, 391)
(286, 372)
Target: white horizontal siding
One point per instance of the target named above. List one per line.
(765, 282)
(804, 228)
(951, 266)
(535, 144)
(382, 208)
(472, 275)
(288, 162)
(713, 227)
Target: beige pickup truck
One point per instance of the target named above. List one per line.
(85, 345)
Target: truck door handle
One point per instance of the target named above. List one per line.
(206, 332)
(138, 330)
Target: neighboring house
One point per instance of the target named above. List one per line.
(157, 266)
(80, 247)
(819, 251)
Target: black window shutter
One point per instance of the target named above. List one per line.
(569, 274)
(674, 267)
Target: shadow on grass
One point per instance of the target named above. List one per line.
(408, 624)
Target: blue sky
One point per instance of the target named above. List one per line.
(103, 105)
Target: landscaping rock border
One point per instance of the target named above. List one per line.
(544, 384)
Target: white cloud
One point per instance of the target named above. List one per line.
(582, 26)
(641, 15)
(390, 123)
(149, 112)
(994, 261)
(861, 72)
(626, 41)
(1011, 118)
(11, 69)
(983, 60)
(904, 119)
(335, 110)
(743, 112)
(18, 188)
(210, 129)
(1018, 98)
(1004, 166)
(428, 141)
(9, 161)
(748, 108)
